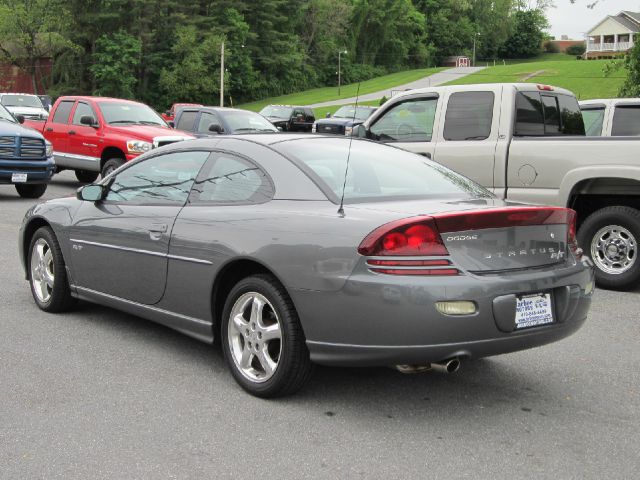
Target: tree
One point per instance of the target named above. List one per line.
(527, 35)
(631, 63)
(30, 31)
(115, 62)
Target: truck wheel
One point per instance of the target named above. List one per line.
(86, 176)
(610, 237)
(111, 165)
(31, 190)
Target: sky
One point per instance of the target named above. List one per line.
(575, 19)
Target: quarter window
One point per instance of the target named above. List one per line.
(410, 121)
(82, 110)
(469, 116)
(62, 112)
(626, 121)
(593, 119)
(164, 179)
(230, 180)
(551, 115)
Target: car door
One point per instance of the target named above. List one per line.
(120, 244)
(85, 139)
(408, 124)
(467, 134)
(56, 130)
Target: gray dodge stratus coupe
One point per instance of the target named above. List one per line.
(245, 238)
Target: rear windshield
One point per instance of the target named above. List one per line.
(276, 111)
(593, 118)
(376, 172)
(244, 121)
(626, 121)
(549, 114)
(359, 113)
(21, 101)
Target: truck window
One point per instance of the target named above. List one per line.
(82, 110)
(63, 111)
(529, 116)
(551, 115)
(469, 116)
(571, 122)
(626, 121)
(593, 119)
(409, 121)
(206, 120)
(186, 120)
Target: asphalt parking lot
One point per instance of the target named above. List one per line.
(96, 393)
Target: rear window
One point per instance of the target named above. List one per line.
(626, 121)
(376, 172)
(469, 116)
(593, 119)
(549, 115)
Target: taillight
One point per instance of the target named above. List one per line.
(572, 240)
(417, 236)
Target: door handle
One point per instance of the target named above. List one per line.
(71, 132)
(156, 230)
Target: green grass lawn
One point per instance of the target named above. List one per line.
(585, 78)
(326, 94)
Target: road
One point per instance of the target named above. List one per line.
(430, 81)
(99, 394)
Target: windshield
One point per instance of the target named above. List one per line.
(21, 101)
(129, 113)
(5, 115)
(276, 111)
(240, 121)
(593, 118)
(348, 111)
(376, 172)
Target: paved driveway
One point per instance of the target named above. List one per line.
(430, 81)
(98, 394)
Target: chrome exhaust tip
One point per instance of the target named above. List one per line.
(448, 366)
(413, 368)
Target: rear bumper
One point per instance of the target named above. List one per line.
(386, 320)
(38, 171)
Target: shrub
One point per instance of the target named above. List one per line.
(576, 49)
(551, 47)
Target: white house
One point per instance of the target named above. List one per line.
(613, 35)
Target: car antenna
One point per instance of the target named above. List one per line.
(346, 168)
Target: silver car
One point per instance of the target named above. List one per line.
(298, 250)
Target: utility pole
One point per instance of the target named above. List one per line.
(222, 74)
(477, 34)
(340, 52)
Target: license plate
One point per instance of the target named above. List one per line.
(19, 177)
(533, 310)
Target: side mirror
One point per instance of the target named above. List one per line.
(360, 131)
(328, 115)
(20, 118)
(171, 123)
(168, 113)
(90, 193)
(215, 128)
(88, 120)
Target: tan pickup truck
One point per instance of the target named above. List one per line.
(611, 117)
(527, 143)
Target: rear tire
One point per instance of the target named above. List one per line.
(31, 190)
(610, 238)
(47, 272)
(262, 339)
(111, 165)
(86, 176)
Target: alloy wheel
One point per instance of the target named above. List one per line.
(614, 249)
(42, 273)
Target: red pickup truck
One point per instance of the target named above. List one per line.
(170, 114)
(95, 135)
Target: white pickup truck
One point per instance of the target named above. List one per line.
(527, 143)
(614, 117)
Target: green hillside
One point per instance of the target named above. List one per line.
(583, 77)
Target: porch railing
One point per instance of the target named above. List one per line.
(609, 47)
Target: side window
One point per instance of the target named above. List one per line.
(309, 113)
(469, 116)
(82, 109)
(551, 115)
(570, 115)
(298, 112)
(231, 179)
(593, 119)
(410, 121)
(626, 121)
(529, 116)
(206, 120)
(164, 179)
(62, 112)
(186, 121)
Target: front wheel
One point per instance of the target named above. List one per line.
(262, 339)
(47, 273)
(610, 237)
(111, 165)
(86, 176)
(31, 190)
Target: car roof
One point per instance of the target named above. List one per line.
(215, 109)
(288, 106)
(99, 99)
(266, 139)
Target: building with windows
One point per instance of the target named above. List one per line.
(613, 35)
